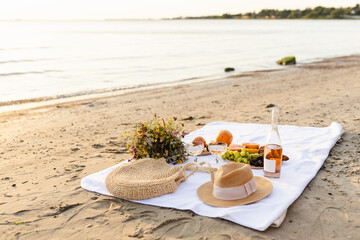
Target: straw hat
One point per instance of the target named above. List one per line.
(148, 178)
(233, 185)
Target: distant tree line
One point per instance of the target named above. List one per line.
(308, 13)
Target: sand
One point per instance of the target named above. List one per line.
(46, 151)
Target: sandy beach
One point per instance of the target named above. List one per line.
(47, 150)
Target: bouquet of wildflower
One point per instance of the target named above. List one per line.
(156, 139)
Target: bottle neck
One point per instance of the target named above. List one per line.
(274, 136)
(275, 119)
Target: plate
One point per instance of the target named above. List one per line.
(206, 152)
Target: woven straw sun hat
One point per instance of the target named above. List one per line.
(148, 178)
(234, 185)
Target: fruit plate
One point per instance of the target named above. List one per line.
(253, 167)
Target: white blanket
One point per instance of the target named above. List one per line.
(307, 148)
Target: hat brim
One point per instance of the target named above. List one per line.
(263, 188)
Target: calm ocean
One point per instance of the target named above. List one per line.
(63, 58)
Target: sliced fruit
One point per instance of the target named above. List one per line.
(235, 147)
(251, 145)
(250, 150)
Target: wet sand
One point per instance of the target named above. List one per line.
(47, 150)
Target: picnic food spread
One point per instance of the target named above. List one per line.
(158, 142)
(248, 153)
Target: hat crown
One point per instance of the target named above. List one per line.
(233, 175)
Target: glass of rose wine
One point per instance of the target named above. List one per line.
(217, 149)
(194, 149)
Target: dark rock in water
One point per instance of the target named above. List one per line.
(287, 61)
(229, 69)
(270, 105)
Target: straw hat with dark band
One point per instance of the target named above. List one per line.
(148, 178)
(234, 185)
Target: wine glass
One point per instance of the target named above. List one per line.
(217, 149)
(194, 149)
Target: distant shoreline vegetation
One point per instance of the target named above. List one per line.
(308, 13)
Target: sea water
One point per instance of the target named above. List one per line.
(59, 59)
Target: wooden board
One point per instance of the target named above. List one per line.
(205, 153)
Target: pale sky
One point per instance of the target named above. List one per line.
(101, 9)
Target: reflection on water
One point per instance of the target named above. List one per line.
(40, 59)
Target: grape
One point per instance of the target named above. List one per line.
(243, 156)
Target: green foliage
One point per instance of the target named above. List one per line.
(318, 12)
(157, 139)
(287, 61)
(338, 13)
(356, 9)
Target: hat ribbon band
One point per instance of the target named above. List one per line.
(235, 193)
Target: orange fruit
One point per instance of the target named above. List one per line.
(235, 147)
(199, 139)
(251, 150)
(251, 145)
(224, 136)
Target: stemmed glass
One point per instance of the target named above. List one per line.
(194, 149)
(217, 149)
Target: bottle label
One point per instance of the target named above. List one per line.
(269, 165)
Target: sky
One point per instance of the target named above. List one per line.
(140, 9)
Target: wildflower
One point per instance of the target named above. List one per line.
(157, 138)
(132, 149)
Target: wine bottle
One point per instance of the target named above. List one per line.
(273, 148)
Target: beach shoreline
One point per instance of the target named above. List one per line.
(47, 150)
(47, 101)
